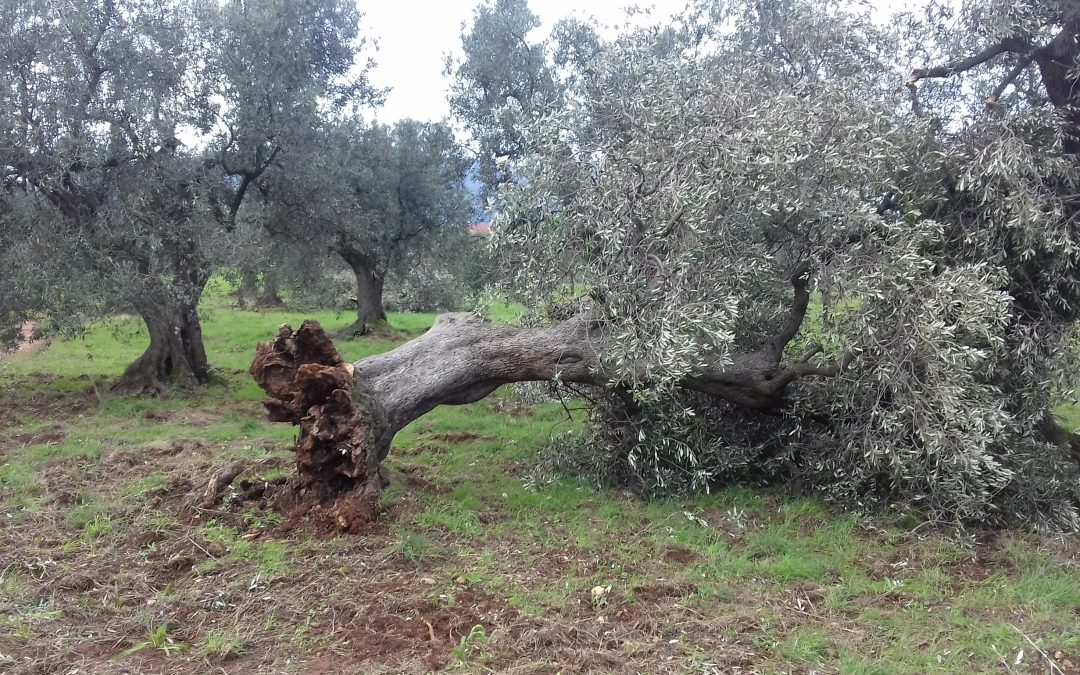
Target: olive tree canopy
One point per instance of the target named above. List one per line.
(108, 208)
(778, 266)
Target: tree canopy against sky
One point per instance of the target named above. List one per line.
(505, 75)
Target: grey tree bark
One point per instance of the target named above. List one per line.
(370, 313)
(349, 413)
(175, 356)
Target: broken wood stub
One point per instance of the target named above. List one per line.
(311, 386)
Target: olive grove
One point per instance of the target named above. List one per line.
(381, 198)
(130, 137)
(794, 247)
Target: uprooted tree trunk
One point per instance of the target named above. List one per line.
(348, 413)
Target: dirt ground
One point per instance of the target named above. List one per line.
(468, 570)
(27, 344)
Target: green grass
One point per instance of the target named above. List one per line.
(97, 563)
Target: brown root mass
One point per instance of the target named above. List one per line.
(309, 385)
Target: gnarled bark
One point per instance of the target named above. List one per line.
(348, 413)
(175, 356)
(370, 313)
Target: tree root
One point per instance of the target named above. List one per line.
(337, 460)
(210, 494)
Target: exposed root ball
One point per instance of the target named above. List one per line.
(311, 386)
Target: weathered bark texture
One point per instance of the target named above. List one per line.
(175, 356)
(348, 414)
(370, 313)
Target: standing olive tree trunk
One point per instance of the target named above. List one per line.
(370, 313)
(175, 356)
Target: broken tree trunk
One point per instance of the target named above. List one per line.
(348, 413)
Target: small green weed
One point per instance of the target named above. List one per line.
(473, 648)
(157, 638)
(222, 645)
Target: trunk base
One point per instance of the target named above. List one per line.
(175, 357)
(269, 302)
(337, 450)
(368, 328)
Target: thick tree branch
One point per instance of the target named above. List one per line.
(950, 69)
(1023, 63)
(800, 279)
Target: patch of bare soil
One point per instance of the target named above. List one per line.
(42, 437)
(27, 399)
(194, 418)
(662, 592)
(422, 449)
(399, 626)
(413, 478)
(27, 344)
(680, 555)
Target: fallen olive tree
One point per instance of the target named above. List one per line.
(762, 272)
(349, 413)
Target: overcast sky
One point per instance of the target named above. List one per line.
(415, 35)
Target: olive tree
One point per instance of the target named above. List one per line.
(775, 267)
(506, 75)
(94, 95)
(379, 197)
(120, 214)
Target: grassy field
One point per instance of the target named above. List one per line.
(475, 565)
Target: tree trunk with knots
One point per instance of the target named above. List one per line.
(175, 357)
(349, 413)
(370, 313)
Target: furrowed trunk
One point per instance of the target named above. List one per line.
(175, 356)
(370, 313)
